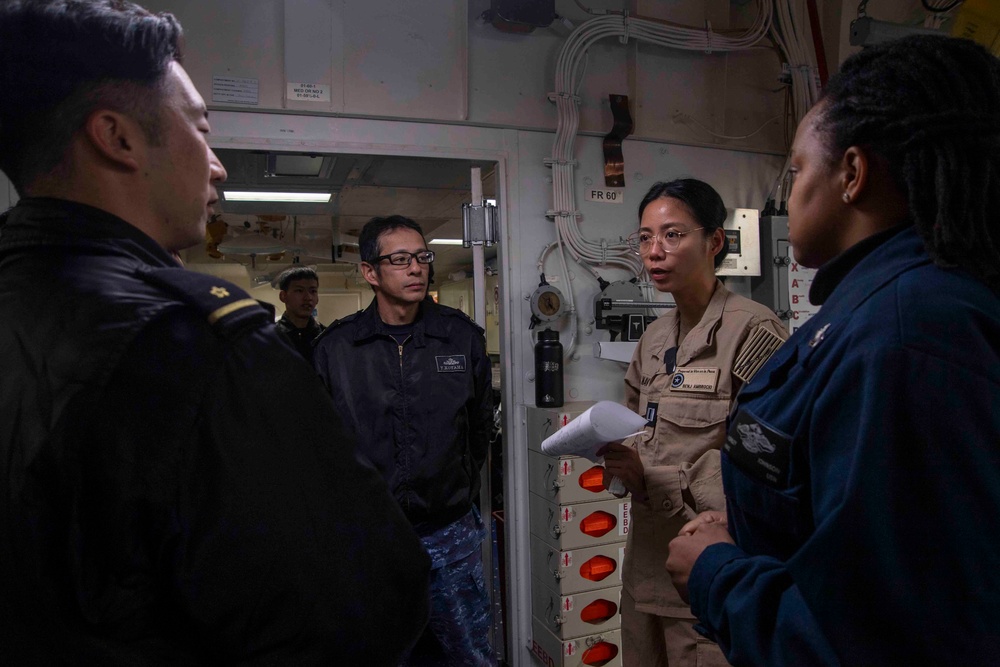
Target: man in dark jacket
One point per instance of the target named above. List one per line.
(413, 380)
(158, 506)
(299, 291)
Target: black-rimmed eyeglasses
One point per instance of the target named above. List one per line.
(404, 258)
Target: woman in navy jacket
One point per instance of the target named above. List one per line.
(862, 463)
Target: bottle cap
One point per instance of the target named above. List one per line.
(548, 334)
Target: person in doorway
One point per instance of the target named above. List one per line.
(412, 378)
(299, 291)
(158, 505)
(684, 375)
(862, 465)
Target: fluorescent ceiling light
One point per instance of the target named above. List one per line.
(445, 242)
(308, 197)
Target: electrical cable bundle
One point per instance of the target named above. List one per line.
(774, 18)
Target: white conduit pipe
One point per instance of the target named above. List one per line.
(568, 236)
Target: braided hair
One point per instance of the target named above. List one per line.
(929, 106)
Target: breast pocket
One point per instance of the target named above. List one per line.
(765, 519)
(693, 412)
(689, 426)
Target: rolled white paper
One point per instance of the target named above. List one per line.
(601, 423)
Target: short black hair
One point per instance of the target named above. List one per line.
(930, 107)
(296, 273)
(369, 240)
(62, 59)
(701, 200)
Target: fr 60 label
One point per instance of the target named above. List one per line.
(605, 195)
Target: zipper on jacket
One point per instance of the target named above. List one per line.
(400, 346)
(406, 462)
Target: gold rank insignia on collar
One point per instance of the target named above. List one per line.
(219, 292)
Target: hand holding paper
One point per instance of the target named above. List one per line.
(603, 422)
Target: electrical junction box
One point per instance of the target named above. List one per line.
(567, 527)
(578, 614)
(603, 648)
(567, 479)
(576, 570)
(742, 227)
(543, 422)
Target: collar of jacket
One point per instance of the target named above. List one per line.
(895, 253)
(39, 221)
(702, 336)
(287, 323)
(883, 262)
(699, 338)
(833, 272)
(429, 322)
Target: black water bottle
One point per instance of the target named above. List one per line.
(548, 370)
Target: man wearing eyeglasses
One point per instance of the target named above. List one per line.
(413, 379)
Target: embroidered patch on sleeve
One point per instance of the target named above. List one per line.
(757, 349)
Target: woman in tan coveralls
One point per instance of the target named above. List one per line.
(681, 378)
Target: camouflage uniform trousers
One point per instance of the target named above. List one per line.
(459, 628)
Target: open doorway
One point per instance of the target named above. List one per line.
(282, 208)
(325, 200)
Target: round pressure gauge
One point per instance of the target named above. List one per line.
(547, 303)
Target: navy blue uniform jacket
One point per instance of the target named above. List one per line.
(862, 473)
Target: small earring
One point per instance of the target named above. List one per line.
(847, 198)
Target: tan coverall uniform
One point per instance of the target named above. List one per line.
(687, 405)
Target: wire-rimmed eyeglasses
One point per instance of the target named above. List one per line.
(641, 243)
(404, 258)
